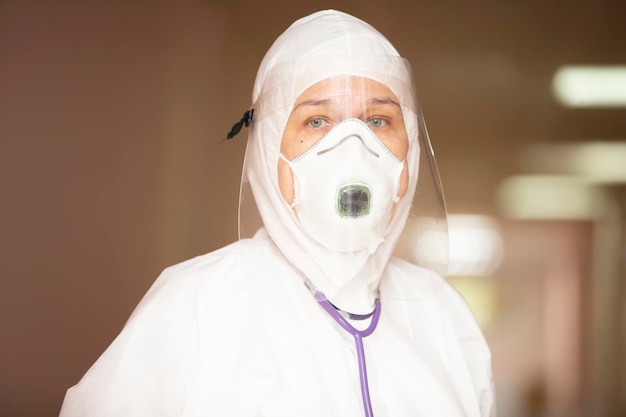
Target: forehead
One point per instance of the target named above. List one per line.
(347, 87)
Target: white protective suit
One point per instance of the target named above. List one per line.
(237, 333)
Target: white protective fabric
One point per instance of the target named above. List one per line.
(216, 336)
(236, 333)
(318, 47)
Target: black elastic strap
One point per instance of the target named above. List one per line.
(245, 120)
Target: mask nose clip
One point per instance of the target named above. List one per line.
(353, 200)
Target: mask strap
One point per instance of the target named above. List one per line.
(284, 158)
(403, 163)
(288, 162)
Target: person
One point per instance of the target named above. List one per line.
(333, 302)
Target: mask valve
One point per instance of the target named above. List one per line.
(353, 201)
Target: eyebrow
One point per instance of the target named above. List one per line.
(383, 100)
(313, 102)
(327, 101)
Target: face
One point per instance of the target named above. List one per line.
(325, 104)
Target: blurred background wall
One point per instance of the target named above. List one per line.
(113, 166)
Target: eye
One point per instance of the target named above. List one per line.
(317, 122)
(376, 122)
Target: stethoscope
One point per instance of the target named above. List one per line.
(358, 340)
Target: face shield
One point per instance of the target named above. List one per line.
(340, 171)
(342, 166)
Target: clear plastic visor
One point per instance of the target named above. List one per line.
(327, 103)
(295, 115)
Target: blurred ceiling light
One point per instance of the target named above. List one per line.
(556, 197)
(598, 162)
(590, 86)
(475, 245)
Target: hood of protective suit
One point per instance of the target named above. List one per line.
(315, 48)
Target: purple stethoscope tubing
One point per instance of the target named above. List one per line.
(358, 340)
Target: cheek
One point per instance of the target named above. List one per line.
(285, 181)
(404, 181)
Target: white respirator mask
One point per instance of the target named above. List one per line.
(345, 188)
